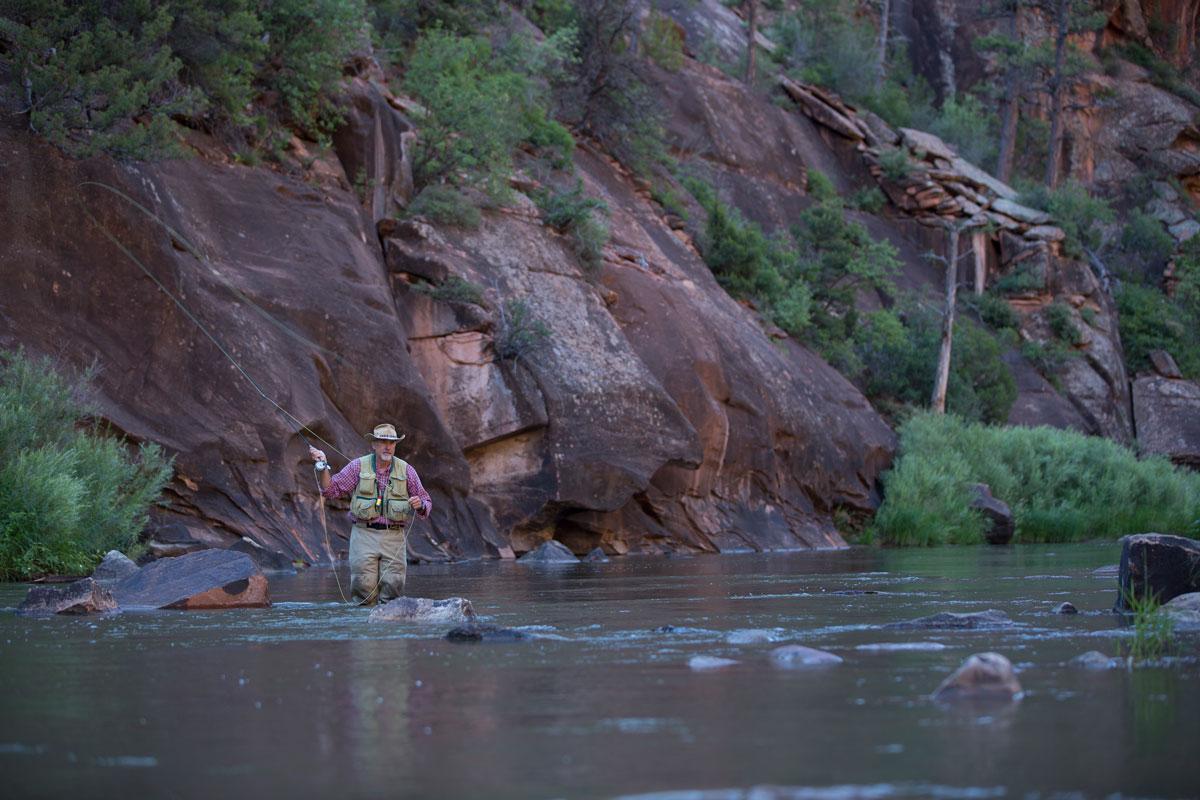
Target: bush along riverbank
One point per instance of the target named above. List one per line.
(1062, 486)
(69, 492)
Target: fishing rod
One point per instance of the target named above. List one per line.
(290, 418)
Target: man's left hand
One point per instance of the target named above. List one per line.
(415, 502)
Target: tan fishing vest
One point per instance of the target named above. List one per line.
(366, 504)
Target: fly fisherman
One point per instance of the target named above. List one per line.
(385, 491)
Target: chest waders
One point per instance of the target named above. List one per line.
(378, 555)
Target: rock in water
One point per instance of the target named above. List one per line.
(1066, 608)
(983, 676)
(950, 621)
(1094, 659)
(422, 609)
(207, 579)
(793, 656)
(550, 552)
(1184, 611)
(749, 636)
(597, 556)
(81, 597)
(1000, 524)
(474, 632)
(115, 566)
(1157, 565)
(703, 663)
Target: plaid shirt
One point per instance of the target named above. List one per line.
(344, 482)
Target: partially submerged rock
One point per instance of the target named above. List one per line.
(203, 580)
(475, 632)
(1184, 611)
(983, 676)
(1157, 565)
(81, 597)
(116, 566)
(749, 636)
(550, 552)
(422, 609)
(267, 560)
(1066, 608)
(596, 556)
(998, 516)
(977, 620)
(705, 663)
(1095, 660)
(796, 656)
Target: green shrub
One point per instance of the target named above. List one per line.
(68, 493)
(1060, 485)
(1078, 213)
(662, 42)
(820, 188)
(454, 290)
(519, 333)
(574, 213)
(1025, 278)
(870, 199)
(967, 125)
(1149, 321)
(1145, 247)
(445, 205)
(1047, 358)
(996, 313)
(550, 138)
(397, 24)
(895, 164)
(1062, 323)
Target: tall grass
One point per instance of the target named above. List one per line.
(68, 492)
(1061, 486)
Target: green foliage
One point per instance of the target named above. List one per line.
(662, 42)
(552, 141)
(397, 24)
(895, 360)
(895, 164)
(68, 493)
(1153, 629)
(1163, 73)
(519, 333)
(996, 313)
(1078, 213)
(1060, 485)
(574, 213)
(445, 205)
(1145, 246)
(820, 188)
(90, 68)
(967, 125)
(1047, 357)
(454, 290)
(1024, 278)
(1149, 321)
(1062, 323)
(870, 199)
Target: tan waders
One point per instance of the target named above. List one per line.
(378, 563)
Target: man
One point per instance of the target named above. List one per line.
(385, 491)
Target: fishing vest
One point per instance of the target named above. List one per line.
(366, 504)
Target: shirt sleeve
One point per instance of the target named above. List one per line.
(344, 482)
(415, 488)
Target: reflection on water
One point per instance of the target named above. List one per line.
(307, 699)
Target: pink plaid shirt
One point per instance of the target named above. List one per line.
(344, 482)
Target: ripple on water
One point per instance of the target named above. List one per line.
(840, 792)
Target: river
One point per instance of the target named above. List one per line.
(306, 699)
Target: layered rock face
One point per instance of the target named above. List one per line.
(658, 415)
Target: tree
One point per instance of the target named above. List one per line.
(954, 230)
(751, 34)
(885, 13)
(1070, 17)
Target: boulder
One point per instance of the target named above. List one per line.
(1096, 660)
(267, 560)
(1164, 364)
(797, 656)
(749, 636)
(1157, 565)
(946, 620)
(1011, 208)
(421, 609)
(115, 566)
(998, 516)
(983, 676)
(475, 632)
(87, 596)
(550, 552)
(1066, 608)
(705, 663)
(1184, 611)
(207, 579)
(1167, 415)
(596, 556)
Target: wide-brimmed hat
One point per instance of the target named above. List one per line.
(384, 433)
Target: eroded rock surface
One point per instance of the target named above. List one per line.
(85, 596)
(423, 609)
(947, 620)
(983, 676)
(208, 579)
(1157, 565)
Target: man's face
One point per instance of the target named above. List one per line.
(384, 450)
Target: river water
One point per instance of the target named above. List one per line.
(306, 699)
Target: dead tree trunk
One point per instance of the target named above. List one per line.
(942, 380)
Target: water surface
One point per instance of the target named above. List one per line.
(305, 699)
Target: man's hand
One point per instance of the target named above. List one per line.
(415, 502)
(316, 454)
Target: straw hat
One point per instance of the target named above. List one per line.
(384, 433)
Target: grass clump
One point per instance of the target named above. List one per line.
(1153, 629)
(68, 492)
(574, 213)
(453, 290)
(519, 333)
(662, 42)
(445, 205)
(1060, 485)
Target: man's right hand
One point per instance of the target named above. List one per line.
(316, 454)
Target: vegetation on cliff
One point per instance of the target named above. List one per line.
(1062, 486)
(69, 491)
